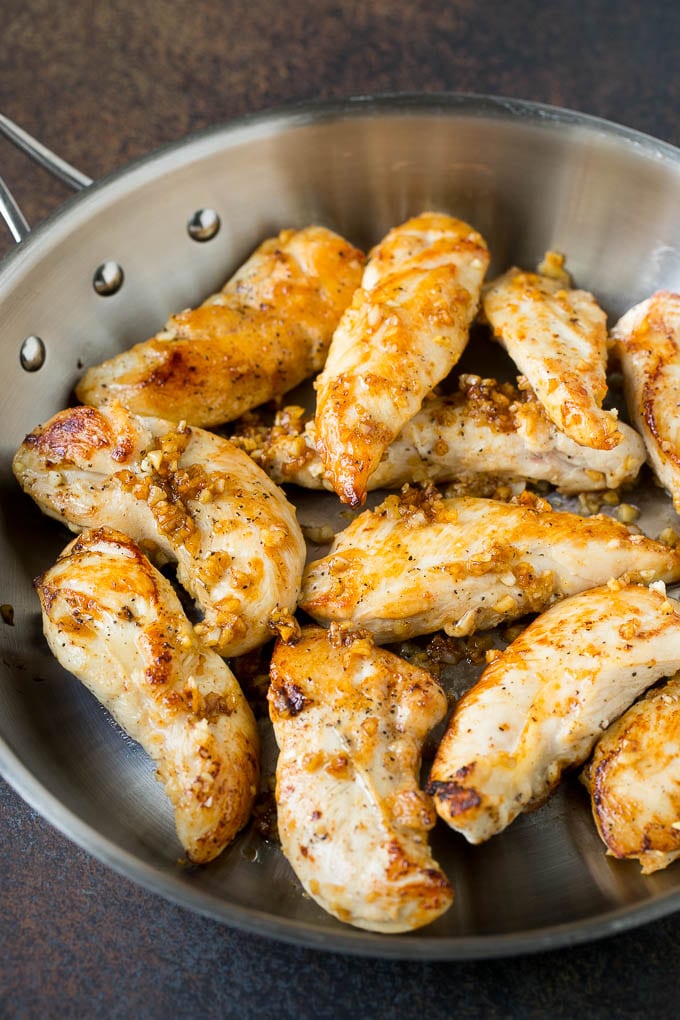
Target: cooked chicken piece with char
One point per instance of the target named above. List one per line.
(647, 345)
(188, 497)
(485, 433)
(419, 563)
(634, 781)
(541, 705)
(116, 623)
(557, 337)
(262, 334)
(350, 720)
(405, 330)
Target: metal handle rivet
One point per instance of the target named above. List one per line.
(108, 278)
(203, 225)
(32, 354)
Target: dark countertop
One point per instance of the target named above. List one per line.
(104, 83)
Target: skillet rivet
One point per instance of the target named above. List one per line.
(108, 278)
(203, 225)
(32, 354)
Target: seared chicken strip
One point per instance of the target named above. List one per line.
(262, 334)
(420, 562)
(405, 330)
(116, 623)
(188, 497)
(647, 344)
(540, 706)
(486, 433)
(350, 720)
(558, 339)
(634, 781)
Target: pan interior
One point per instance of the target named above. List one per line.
(530, 179)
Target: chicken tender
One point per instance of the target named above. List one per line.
(188, 497)
(116, 623)
(405, 330)
(647, 345)
(350, 720)
(634, 781)
(485, 434)
(262, 334)
(557, 337)
(541, 705)
(419, 563)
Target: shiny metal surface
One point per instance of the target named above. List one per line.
(32, 354)
(11, 213)
(108, 278)
(203, 225)
(529, 178)
(38, 152)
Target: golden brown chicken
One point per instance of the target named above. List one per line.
(350, 720)
(116, 623)
(188, 497)
(557, 337)
(541, 705)
(405, 330)
(634, 781)
(484, 435)
(262, 334)
(421, 562)
(647, 345)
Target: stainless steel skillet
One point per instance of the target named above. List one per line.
(529, 177)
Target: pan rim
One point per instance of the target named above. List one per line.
(282, 118)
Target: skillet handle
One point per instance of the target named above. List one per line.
(12, 214)
(9, 207)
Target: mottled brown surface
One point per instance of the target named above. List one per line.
(103, 83)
